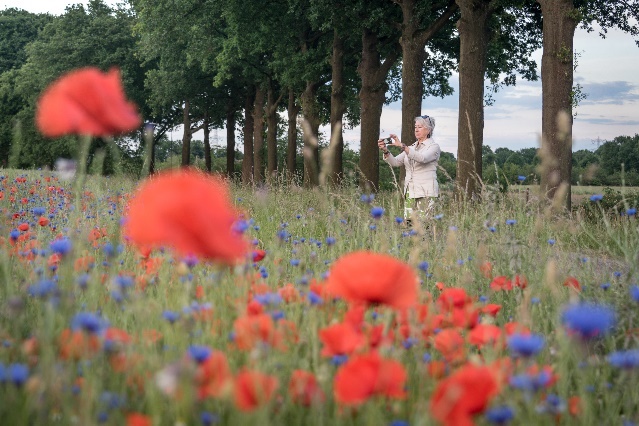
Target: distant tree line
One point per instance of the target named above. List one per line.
(257, 67)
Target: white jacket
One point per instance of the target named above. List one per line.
(421, 168)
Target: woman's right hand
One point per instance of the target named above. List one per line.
(381, 144)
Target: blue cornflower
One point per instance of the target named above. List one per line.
(14, 234)
(209, 419)
(631, 211)
(521, 178)
(551, 241)
(39, 211)
(526, 345)
(367, 198)
(483, 299)
(268, 299)
(83, 280)
(423, 266)
(596, 197)
(314, 298)
(43, 288)
(330, 241)
(199, 353)
(634, 293)
(409, 343)
(500, 415)
(171, 316)
(624, 359)
(399, 219)
(589, 320)
(372, 227)
(438, 216)
(511, 222)
(338, 360)
(241, 226)
(295, 262)
(530, 382)
(604, 286)
(398, 423)
(535, 300)
(616, 274)
(17, 374)
(88, 321)
(492, 229)
(124, 281)
(377, 212)
(277, 315)
(61, 246)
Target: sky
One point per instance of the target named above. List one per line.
(606, 71)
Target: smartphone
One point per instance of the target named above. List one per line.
(389, 141)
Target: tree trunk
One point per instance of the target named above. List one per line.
(556, 83)
(271, 133)
(413, 56)
(373, 73)
(247, 161)
(186, 135)
(258, 136)
(207, 142)
(310, 109)
(473, 37)
(230, 142)
(291, 150)
(337, 111)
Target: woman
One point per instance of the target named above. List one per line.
(420, 160)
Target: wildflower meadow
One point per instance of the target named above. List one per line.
(183, 299)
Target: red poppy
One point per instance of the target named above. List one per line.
(486, 269)
(365, 376)
(188, 211)
(450, 344)
(253, 389)
(258, 255)
(304, 389)
(520, 281)
(86, 101)
(340, 339)
(501, 283)
(485, 334)
(372, 278)
(491, 309)
(453, 298)
(213, 376)
(253, 329)
(23, 227)
(464, 393)
(289, 293)
(572, 282)
(137, 419)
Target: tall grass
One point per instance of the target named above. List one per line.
(154, 376)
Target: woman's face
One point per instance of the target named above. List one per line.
(420, 131)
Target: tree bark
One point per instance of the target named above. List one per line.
(230, 142)
(413, 43)
(310, 109)
(373, 73)
(556, 83)
(271, 132)
(337, 111)
(247, 161)
(473, 37)
(186, 135)
(207, 142)
(291, 151)
(258, 136)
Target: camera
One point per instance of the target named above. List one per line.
(389, 141)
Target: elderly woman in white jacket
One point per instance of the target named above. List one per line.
(420, 161)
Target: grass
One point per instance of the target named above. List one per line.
(90, 380)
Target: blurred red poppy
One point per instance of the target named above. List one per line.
(304, 389)
(464, 393)
(372, 278)
(340, 339)
(253, 389)
(86, 101)
(188, 211)
(365, 376)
